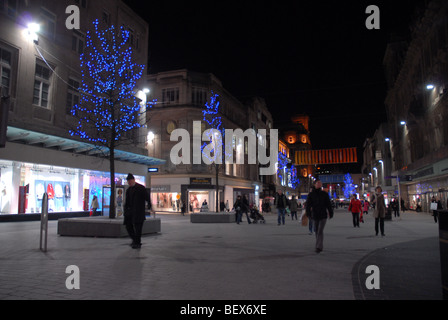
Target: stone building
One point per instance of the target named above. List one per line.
(180, 97)
(40, 69)
(417, 107)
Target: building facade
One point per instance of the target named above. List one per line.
(180, 97)
(417, 107)
(40, 69)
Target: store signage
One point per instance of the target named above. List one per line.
(201, 181)
(157, 189)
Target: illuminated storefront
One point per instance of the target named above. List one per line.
(70, 172)
(68, 189)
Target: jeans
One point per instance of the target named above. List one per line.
(281, 215)
(355, 219)
(135, 231)
(319, 227)
(293, 213)
(381, 223)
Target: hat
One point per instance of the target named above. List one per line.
(130, 177)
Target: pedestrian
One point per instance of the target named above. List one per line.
(396, 208)
(319, 209)
(227, 206)
(380, 210)
(366, 206)
(134, 210)
(438, 205)
(94, 205)
(294, 207)
(238, 206)
(281, 202)
(246, 209)
(355, 209)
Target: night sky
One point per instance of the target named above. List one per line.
(303, 57)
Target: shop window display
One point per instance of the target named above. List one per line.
(68, 189)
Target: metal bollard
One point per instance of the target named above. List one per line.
(443, 238)
(44, 224)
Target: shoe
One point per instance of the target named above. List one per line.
(136, 246)
(318, 250)
(383, 235)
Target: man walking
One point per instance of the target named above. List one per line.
(318, 208)
(281, 203)
(134, 210)
(380, 210)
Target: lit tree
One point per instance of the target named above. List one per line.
(108, 108)
(213, 120)
(349, 188)
(282, 167)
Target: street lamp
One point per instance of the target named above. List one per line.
(382, 171)
(430, 87)
(33, 29)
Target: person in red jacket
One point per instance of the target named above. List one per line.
(355, 209)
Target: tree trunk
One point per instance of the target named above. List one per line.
(217, 187)
(112, 180)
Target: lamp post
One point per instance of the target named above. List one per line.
(397, 177)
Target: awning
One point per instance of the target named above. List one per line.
(63, 144)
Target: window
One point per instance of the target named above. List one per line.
(72, 95)
(48, 23)
(106, 17)
(131, 36)
(42, 86)
(83, 3)
(198, 96)
(170, 95)
(5, 69)
(9, 7)
(78, 42)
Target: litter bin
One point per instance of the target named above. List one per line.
(443, 237)
(388, 216)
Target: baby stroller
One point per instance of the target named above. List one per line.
(256, 216)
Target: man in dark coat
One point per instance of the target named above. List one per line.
(319, 208)
(134, 210)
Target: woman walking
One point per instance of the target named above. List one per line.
(355, 209)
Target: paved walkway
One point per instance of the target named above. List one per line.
(227, 262)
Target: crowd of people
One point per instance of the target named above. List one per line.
(319, 208)
(315, 212)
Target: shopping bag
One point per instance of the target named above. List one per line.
(305, 221)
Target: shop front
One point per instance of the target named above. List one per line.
(72, 173)
(23, 185)
(421, 194)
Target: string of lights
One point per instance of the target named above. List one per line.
(108, 107)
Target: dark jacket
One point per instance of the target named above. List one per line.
(281, 201)
(318, 205)
(135, 204)
(238, 205)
